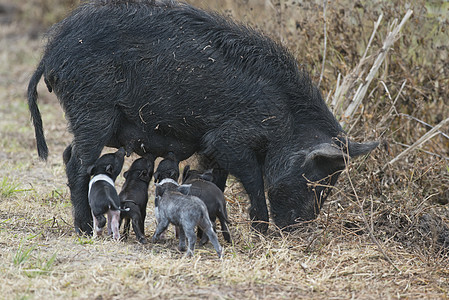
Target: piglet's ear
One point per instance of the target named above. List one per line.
(160, 189)
(109, 169)
(90, 170)
(208, 175)
(144, 175)
(174, 174)
(156, 177)
(329, 153)
(184, 189)
(357, 149)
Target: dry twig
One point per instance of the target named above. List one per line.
(429, 135)
(325, 43)
(422, 122)
(363, 88)
(354, 75)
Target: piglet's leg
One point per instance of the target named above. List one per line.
(126, 227)
(182, 238)
(225, 231)
(191, 239)
(161, 226)
(109, 222)
(113, 223)
(97, 230)
(138, 227)
(207, 228)
(84, 152)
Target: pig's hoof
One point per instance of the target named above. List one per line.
(143, 241)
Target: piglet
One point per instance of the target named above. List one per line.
(167, 168)
(103, 197)
(134, 196)
(203, 188)
(174, 205)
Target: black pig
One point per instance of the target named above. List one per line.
(103, 198)
(167, 168)
(134, 196)
(220, 89)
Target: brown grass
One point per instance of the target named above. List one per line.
(383, 233)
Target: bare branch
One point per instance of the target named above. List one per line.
(363, 88)
(325, 43)
(354, 75)
(424, 123)
(429, 135)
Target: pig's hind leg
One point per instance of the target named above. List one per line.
(113, 223)
(224, 226)
(97, 229)
(206, 225)
(161, 227)
(126, 226)
(189, 232)
(182, 238)
(138, 227)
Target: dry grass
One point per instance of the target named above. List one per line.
(383, 233)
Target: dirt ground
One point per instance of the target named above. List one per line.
(383, 234)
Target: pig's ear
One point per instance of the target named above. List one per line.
(109, 169)
(208, 175)
(327, 154)
(144, 175)
(184, 189)
(160, 189)
(185, 172)
(174, 174)
(357, 149)
(91, 170)
(125, 174)
(156, 177)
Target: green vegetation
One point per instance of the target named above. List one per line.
(9, 187)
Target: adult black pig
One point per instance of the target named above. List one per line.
(172, 72)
